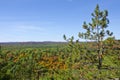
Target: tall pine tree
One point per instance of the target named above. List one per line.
(96, 30)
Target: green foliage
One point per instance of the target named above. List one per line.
(77, 60)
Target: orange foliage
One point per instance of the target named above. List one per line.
(52, 63)
(19, 56)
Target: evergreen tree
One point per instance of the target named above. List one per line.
(96, 30)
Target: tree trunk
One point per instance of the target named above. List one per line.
(100, 62)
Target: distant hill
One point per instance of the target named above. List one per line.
(43, 44)
(27, 43)
(31, 44)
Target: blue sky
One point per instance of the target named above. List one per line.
(48, 20)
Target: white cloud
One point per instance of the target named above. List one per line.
(21, 33)
(28, 28)
(19, 30)
(24, 31)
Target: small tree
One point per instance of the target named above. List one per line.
(96, 30)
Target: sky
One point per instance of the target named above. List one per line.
(49, 20)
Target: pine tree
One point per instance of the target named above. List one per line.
(96, 30)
